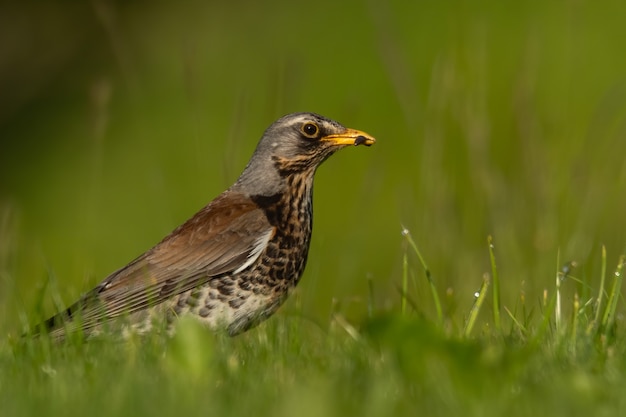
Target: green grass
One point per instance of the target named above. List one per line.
(391, 363)
(470, 263)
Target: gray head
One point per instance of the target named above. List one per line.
(295, 144)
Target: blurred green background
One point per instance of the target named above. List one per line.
(119, 120)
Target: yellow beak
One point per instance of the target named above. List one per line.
(350, 137)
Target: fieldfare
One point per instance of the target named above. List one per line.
(235, 261)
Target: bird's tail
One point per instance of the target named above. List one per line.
(68, 320)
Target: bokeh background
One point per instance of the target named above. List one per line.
(119, 120)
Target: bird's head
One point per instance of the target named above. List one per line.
(296, 144)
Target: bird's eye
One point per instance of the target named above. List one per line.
(310, 129)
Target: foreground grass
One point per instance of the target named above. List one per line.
(400, 367)
(390, 364)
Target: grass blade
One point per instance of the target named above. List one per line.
(594, 324)
(407, 234)
(516, 322)
(473, 313)
(405, 281)
(557, 309)
(609, 313)
(496, 286)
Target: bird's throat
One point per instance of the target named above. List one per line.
(291, 208)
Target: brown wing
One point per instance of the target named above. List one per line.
(218, 240)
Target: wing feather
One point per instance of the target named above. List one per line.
(224, 237)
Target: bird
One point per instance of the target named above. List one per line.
(234, 262)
